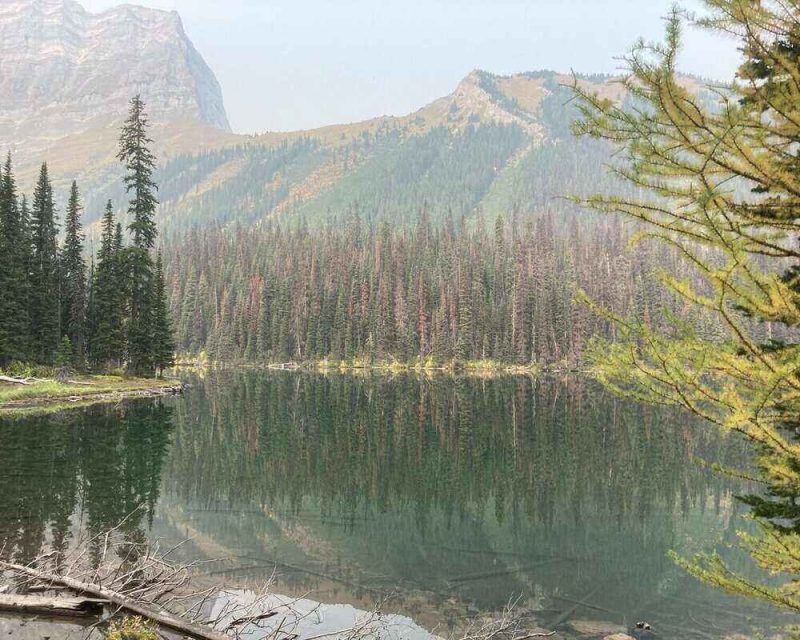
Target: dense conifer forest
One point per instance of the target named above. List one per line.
(53, 311)
(503, 291)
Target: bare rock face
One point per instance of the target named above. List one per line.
(64, 70)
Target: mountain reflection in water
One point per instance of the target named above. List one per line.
(455, 495)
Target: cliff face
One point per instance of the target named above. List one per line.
(64, 70)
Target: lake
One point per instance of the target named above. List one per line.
(450, 496)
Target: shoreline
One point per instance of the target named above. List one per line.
(472, 368)
(49, 395)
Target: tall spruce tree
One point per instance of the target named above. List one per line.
(139, 161)
(163, 342)
(14, 322)
(108, 298)
(44, 283)
(725, 191)
(91, 311)
(26, 260)
(73, 280)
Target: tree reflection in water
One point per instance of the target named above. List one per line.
(449, 492)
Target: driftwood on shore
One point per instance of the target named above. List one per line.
(9, 380)
(90, 398)
(30, 381)
(120, 601)
(41, 605)
(122, 578)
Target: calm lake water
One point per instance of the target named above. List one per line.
(454, 496)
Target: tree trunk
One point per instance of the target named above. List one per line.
(40, 605)
(150, 612)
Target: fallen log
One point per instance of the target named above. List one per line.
(567, 614)
(161, 618)
(57, 607)
(251, 619)
(587, 605)
(502, 572)
(23, 381)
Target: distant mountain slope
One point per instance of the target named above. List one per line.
(498, 145)
(64, 70)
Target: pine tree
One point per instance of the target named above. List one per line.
(163, 342)
(91, 311)
(44, 307)
(14, 321)
(64, 356)
(26, 260)
(73, 280)
(139, 161)
(464, 343)
(107, 311)
(697, 161)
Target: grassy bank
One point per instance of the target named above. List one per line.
(390, 366)
(82, 390)
(469, 367)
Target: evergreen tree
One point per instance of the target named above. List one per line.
(699, 162)
(14, 321)
(139, 161)
(163, 342)
(44, 294)
(64, 356)
(73, 280)
(26, 260)
(91, 310)
(107, 309)
(464, 343)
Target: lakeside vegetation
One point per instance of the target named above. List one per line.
(721, 185)
(51, 310)
(702, 315)
(388, 366)
(430, 365)
(502, 292)
(42, 394)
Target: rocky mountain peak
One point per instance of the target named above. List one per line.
(64, 70)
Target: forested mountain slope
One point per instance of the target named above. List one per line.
(501, 292)
(441, 235)
(496, 144)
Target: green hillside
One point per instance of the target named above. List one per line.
(498, 145)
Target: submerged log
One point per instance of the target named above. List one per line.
(568, 613)
(40, 605)
(150, 612)
(587, 605)
(502, 572)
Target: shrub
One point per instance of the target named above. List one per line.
(26, 370)
(131, 629)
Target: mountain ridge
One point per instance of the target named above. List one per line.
(64, 70)
(459, 145)
(208, 174)
(469, 151)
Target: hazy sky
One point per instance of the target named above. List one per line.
(292, 64)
